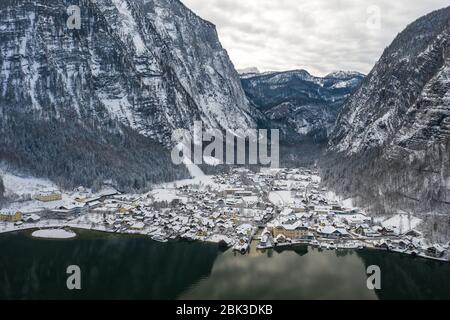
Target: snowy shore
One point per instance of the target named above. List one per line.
(54, 234)
(228, 209)
(60, 231)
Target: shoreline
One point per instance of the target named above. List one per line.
(230, 213)
(287, 247)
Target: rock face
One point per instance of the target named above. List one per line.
(395, 129)
(304, 107)
(135, 70)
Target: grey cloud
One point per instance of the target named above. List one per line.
(318, 35)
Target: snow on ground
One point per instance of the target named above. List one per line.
(211, 161)
(401, 223)
(216, 238)
(203, 180)
(24, 185)
(347, 203)
(379, 219)
(54, 234)
(280, 198)
(194, 170)
(271, 171)
(291, 183)
(166, 195)
(315, 178)
(35, 205)
(332, 196)
(355, 218)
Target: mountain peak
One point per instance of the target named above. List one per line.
(247, 71)
(344, 74)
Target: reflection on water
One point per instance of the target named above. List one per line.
(286, 275)
(138, 268)
(410, 278)
(112, 267)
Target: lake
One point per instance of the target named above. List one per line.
(132, 267)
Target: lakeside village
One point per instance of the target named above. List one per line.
(276, 208)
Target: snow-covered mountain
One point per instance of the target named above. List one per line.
(248, 71)
(301, 105)
(395, 129)
(135, 70)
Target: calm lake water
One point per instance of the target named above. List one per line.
(122, 267)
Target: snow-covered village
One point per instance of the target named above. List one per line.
(242, 210)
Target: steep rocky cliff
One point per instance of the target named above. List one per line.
(100, 102)
(393, 135)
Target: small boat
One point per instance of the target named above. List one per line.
(242, 248)
(348, 246)
(245, 249)
(265, 247)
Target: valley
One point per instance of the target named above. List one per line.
(105, 109)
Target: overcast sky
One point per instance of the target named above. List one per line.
(320, 36)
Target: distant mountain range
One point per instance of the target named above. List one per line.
(302, 106)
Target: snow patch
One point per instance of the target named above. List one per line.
(18, 185)
(280, 198)
(161, 195)
(402, 223)
(212, 161)
(54, 234)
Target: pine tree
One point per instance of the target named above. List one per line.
(2, 191)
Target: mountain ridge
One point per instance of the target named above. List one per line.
(134, 72)
(394, 131)
(302, 106)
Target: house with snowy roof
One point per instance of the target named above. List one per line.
(383, 244)
(32, 218)
(332, 232)
(265, 238)
(413, 233)
(297, 230)
(138, 226)
(362, 229)
(10, 216)
(244, 229)
(48, 196)
(436, 251)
